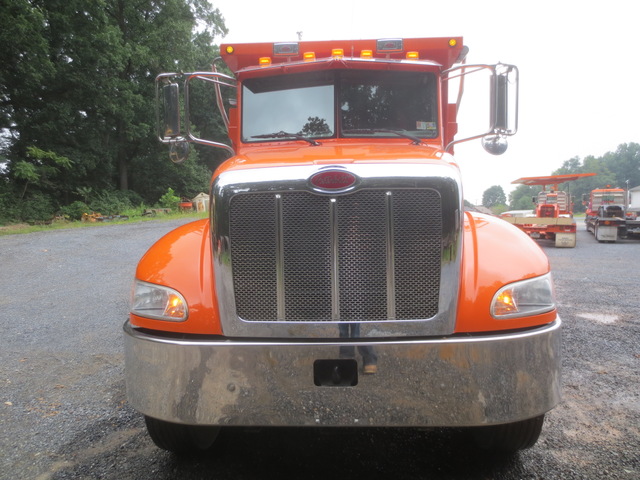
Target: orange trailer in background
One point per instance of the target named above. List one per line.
(338, 280)
(553, 217)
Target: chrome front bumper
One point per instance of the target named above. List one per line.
(458, 381)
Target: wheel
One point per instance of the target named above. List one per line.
(509, 437)
(180, 438)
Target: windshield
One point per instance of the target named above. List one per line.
(369, 103)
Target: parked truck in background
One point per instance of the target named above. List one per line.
(606, 214)
(338, 281)
(553, 217)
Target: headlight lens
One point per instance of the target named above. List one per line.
(155, 301)
(522, 299)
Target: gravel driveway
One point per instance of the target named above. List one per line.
(63, 413)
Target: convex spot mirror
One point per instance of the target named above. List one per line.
(495, 144)
(179, 150)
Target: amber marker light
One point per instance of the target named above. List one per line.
(505, 303)
(309, 56)
(229, 49)
(413, 56)
(175, 307)
(453, 42)
(366, 54)
(158, 302)
(264, 61)
(337, 53)
(524, 298)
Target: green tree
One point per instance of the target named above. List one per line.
(624, 164)
(78, 81)
(521, 197)
(494, 196)
(581, 187)
(40, 169)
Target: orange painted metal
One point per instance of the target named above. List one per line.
(507, 255)
(182, 260)
(554, 180)
(282, 154)
(247, 55)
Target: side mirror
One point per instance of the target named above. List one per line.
(171, 107)
(499, 101)
(503, 109)
(171, 123)
(178, 146)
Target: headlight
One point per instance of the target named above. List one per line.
(155, 301)
(523, 299)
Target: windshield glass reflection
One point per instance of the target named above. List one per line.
(370, 103)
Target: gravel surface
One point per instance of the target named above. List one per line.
(63, 300)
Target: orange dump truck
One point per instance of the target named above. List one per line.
(553, 217)
(605, 215)
(338, 280)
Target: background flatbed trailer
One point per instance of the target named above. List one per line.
(554, 210)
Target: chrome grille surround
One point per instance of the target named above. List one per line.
(292, 260)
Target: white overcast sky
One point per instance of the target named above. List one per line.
(579, 66)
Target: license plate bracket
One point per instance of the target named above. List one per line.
(335, 373)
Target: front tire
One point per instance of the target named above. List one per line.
(178, 438)
(510, 437)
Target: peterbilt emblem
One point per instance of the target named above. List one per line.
(333, 180)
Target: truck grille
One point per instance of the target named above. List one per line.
(373, 255)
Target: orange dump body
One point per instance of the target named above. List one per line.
(604, 196)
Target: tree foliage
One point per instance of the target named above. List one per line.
(494, 196)
(78, 83)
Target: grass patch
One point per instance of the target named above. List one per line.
(135, 217)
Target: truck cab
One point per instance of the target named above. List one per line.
(338, 280)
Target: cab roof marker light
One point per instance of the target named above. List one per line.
(453, 42)
(366, 54)
(285, 49)
(264, 61)
(230, 49)
(309, 56)
(413, 56)
(337, 53)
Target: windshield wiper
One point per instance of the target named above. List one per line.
(400, 133)
(282, 134)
